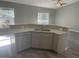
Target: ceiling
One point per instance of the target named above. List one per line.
(42, 3)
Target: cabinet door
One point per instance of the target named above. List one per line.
(26, 40)
(42, 40)
(59, 43)
(55, 42)
(23, 41)
(18, 40)
(36, 40)
(46, 41)
(62, 43)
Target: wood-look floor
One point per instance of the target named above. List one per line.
(36, 53)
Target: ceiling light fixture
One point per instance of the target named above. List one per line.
(60, 3)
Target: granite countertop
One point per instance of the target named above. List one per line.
(33, 30)
(12, 31)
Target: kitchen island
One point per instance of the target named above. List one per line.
(23, 37)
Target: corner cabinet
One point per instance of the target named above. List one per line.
(42, 40)
(59, 42)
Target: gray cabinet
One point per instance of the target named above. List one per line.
(46, 40)
(36, 39)
(51, 41)
(59, 42)
(41, 40)
(55, 42)
(23, 41)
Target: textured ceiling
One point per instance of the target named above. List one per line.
(42, 3)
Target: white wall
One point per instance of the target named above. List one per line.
(25, 14)
(68, 16)
(29, 14)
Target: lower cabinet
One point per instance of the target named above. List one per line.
(23, 41)
(55, 42)
(36, 39)
(59, 42)
(42, 40)
(51, 41)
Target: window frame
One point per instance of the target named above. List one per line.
(41, 19)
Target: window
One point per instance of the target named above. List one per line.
(6, 16)
(43, 18)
